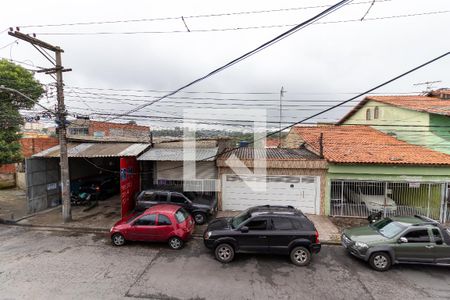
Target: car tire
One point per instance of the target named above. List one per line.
(118, 239)
(380, 261)
(300, 256)
(175, 243)
(199, 218)
(224, 253)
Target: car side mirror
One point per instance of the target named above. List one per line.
(244, 229)
(402, 240)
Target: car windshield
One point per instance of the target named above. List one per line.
(237, 220)
(133, 218)
(388, 228)
(181, 215)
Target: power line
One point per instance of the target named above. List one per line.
(187, 17)
(239, 28)
(216, 92)
(252, 52)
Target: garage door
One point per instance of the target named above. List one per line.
(298, 191)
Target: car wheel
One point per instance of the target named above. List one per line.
(118, 239)
(175, 243)
(224, 253)
(300, 256)
(380, 261)
(200, 218)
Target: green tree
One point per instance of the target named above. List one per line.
(15, 77)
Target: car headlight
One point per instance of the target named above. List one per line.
(360, 245)
(207, 235)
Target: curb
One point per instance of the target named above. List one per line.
(103, 230)
(59, 228)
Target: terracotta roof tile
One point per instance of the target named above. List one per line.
(363, 144)
(420, 103)
(433, 105)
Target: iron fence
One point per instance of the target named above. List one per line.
(361, 198)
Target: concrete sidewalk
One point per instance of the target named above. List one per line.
(99, 218)
(13, 204)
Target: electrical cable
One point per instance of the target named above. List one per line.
(269, 43)
(239, 28)
(187, 17)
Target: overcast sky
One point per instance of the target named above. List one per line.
(321, 62)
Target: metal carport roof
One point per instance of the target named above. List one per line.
(178, 154)
(97, 150)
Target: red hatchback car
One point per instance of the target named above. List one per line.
(160, 223)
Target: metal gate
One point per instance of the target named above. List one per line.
(43, 187)
(361, 198)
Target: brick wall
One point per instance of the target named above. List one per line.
(118, 129)
(8, 169)
(32, 146)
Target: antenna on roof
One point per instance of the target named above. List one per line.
(429, 85)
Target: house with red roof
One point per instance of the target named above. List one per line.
(421, 120)
(371, 171)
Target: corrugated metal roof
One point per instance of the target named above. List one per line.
(248, 153)
(96, 150)
(207, 154)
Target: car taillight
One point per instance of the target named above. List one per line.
(317, 237)
(97, 188)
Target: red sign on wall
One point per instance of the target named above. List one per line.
(129, 183)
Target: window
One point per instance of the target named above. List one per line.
(164, 220)
(368, 114)
(418, 236)
(161, 197)
(147, 220)
(181, 215)
(149, 196)
(178, 199)
(376, 112)
(258, 224)
(78, 131)
(388, 228)
(437, 236)
(283, 224)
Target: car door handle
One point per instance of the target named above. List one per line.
(429, 246)
(262, 237)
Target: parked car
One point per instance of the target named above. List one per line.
(264, 229)
(200, 211)
(372, 197)
(412, 239)
(100, 187)
(160, 223)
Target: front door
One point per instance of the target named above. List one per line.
(165, 228)
(418, 247)
(256, 239)
(144, 228)
(180, 200)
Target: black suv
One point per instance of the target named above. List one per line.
(264, 229)
(199, 210)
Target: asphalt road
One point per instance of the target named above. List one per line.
(62, 265)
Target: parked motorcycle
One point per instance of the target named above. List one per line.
(81, 199)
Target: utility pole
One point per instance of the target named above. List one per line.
(282, 91)
(60, 112)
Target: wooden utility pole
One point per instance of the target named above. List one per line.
(61, 114)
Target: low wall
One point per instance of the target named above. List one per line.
(7, 181)
(21, 181)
